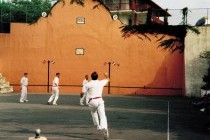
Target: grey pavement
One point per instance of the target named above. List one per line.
(129, 118)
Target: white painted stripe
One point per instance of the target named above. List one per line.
(60, 138)
(116, 139)
(51, 138)
(168, 132)
(65, 138)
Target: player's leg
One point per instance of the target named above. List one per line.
(56, 96)
(93, 109)
(103, 119)
(22, 96)
(83, 98)
(80, 100)
(52, 96)
(26, 95)
(102, 115)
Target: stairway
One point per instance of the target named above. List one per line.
(4, 85)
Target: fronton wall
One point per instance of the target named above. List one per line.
(143, 68)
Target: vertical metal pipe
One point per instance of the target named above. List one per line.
(48, 77)
(109, 77)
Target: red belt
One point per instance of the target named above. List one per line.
(93, 98)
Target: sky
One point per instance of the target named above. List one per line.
(179, 4)
(197, 10)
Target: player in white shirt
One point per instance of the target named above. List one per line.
(94, 90)
(83, 95)
(24, 85)
(55, 90)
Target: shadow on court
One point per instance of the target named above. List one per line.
(129, 118)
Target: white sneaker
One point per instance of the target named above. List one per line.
(81, 104)
(55, 104)
(98, 128)
(26, 101)
(105, 133)
(21, 102)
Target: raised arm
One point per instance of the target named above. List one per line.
(106, 76)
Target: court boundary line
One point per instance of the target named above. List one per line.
(70, 138)
(168, 123)
(56, 137)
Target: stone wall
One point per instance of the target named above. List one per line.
(195, 66)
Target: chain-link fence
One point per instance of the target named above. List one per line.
(193, 16)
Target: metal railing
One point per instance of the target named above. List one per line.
(177, 91)
(193, 15)
(126, 6)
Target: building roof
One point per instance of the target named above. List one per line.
(161, 11)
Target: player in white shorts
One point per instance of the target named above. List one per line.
(94, 90)
(83, 95)
(55, 90)
(24, 90)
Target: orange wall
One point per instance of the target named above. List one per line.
(57, 36)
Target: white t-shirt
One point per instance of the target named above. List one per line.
(55, 82)
(24, 81)
(84, 82)
(95, 88)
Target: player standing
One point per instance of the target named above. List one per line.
(24, 90)
(55, 90)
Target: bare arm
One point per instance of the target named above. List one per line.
(106, 75)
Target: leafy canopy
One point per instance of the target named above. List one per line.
(23, 11)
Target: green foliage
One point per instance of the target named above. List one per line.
(79, 2)
(206, 78)
(23, 11)
(172, 45)
(179, 32)
(5, 12)
(205, 55)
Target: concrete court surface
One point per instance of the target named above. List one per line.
(129, 118)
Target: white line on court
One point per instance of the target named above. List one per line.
(60, 138)
(168, 124)
(116, 139)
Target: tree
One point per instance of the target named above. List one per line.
(206, 77)
(23, 11)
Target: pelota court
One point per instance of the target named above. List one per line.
(129, 118)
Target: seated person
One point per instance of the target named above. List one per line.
(203, 103)
(37, 136)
